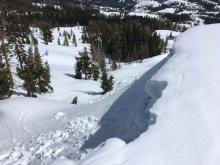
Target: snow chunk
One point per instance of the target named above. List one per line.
(63, 162)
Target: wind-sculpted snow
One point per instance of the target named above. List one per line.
(129, 116)
(188, 118)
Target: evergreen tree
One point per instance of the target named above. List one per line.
(114, 65)
(86, 64)
(84, 38)
(78, 68)
(95, 72)
(20, 53)
(46, 33)
(28, 40)
(5, 55)
(58, 41)
(45, 86)
(42, 73)
(26, 74)
(106, 83)
(71, 32)
(64, 33)
(34, 40)
(68, 36)
(5, 90)
(74, 40)
(65, 42)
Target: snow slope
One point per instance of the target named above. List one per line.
(37, 131)
(188, 117)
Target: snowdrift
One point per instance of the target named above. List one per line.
(188, 116)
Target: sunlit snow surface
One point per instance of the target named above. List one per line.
(188, 116)
(39, 131)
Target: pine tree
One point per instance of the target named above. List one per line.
(28, 40)
(68, 36)
(78, 68)
(71, 32)
(46, 33)
(95, 72)
(74, 40)
(34, 40)
(42, 73)
(20, 53)
(5, 53)
(114, 65)
(106, 83)
(64, 33)
(45, 82)
(5, 90)
(65, 42)
(84, 38)
(26, 74)
(86, 64)
(58, 41)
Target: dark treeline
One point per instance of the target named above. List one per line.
(212, 18)
(123, 39)
(70, 14)
(177, 17)
(64, 16)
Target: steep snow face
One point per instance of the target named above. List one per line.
(188, 116)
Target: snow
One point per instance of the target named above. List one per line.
(146, 3)
(177, 96)
(188, 118)
(167, 10)
(142, 14)
(38, 131)
(166, 33)
(163, 111)
(48, 128)
(109, 13)
(63, 162)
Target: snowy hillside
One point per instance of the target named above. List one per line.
(188, 117)
(62, 62)
(37, 131)
(193, 12)
(163, 111)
